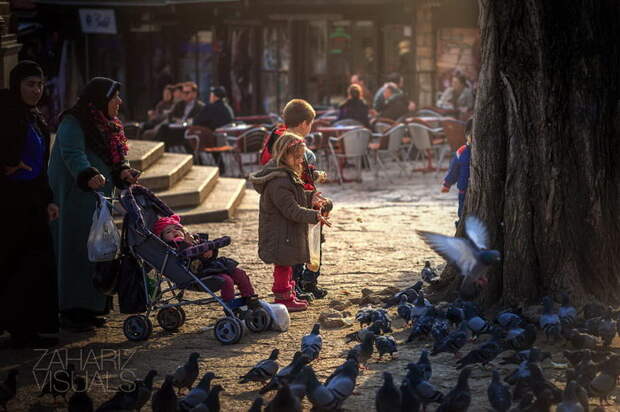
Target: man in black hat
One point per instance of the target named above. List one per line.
(217, 112)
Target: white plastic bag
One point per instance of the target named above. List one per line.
(104, 242)
(314, 245)
(280, 319)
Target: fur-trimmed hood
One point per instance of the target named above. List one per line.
(269, 172)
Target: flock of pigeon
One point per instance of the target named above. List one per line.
(592, 368)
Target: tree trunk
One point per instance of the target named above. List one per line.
(545, 174)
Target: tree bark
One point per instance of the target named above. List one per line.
(545, 175)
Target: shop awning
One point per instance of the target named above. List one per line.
(127, 3)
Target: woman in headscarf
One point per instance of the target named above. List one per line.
(28, 298)
(88, 155)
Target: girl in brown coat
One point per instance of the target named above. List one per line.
(286, 209)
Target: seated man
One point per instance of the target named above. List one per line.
(217, 112)
(214, 115)
(396, 103)
(182, 111)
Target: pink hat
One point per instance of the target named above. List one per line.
(162, 222)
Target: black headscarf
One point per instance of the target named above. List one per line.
(97, 93)
(19, 110)
(23, 69)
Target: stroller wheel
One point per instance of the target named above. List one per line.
(228, 330)
(257, 320)
(137, 328)
(171, 318)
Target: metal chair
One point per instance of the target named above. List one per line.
(347, 122)
(351, 145)
(389, 144)
(423, 142)
(249, 143)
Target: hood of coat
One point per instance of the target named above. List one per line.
(269, 172)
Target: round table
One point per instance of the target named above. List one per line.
(234, 130)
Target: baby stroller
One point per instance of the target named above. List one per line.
(173, 277)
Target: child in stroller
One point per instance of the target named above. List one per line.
(203, 254)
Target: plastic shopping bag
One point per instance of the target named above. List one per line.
(314, 244)
(103, 240)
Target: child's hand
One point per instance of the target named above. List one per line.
(324, 220)
(208, 254)
(445, 189)
(189, 238)
(317, 200)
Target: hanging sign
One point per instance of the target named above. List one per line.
(98, 21)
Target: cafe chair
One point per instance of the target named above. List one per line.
(427, 141)
(454, 132)
(350, 145)
(427, 113)
(248, 145)
(347, 122)
(389, 145)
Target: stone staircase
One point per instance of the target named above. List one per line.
(196, 193)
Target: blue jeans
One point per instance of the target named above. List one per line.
(461, 204)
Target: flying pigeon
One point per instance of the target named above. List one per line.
(471, 254)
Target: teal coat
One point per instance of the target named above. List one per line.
(70, 157)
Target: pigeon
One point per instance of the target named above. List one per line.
(586, 370)
(521, 338)
(332, 397)
(264, 370)
(604, 383)
(428, 274)
(453, 342)
(80, 401)
(484, 354)
(284, 401)
(411, 292)
(409, 402)
(365, 349)
(420, 388)
(8, 388)
(567, 312)
(580, 392)
(185, 375)
(441, 327)
(544, 390)
(352, 354)
(257, 405)
(549, 322)
(123, 400)
(363, 316)
(198, 394)
(60, 383)
(607, 329)
(471, 254)
(342, 384)
(518, 357)
(383, 317)
(455, 314)
(404, 309)
(213, 400)
(385, 344)
(388, 397)
(311, 344)
(593, 310)
(143, 389)
(286, 374)
(508, 319)
(423, 325)
(477, 324)
(580, 340)
(359, 335)
(164, 399)
(499, 394)
(459, 398)
(420, 307)
(424, 363)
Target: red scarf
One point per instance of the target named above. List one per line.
(112, 130)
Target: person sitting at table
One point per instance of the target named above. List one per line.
(354, 107)
(458, 97)
(378, 101)
(217, 112)
(161, 110)
(396, 103)
(189, 107)
(183, 111)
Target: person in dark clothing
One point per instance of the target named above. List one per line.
(183, 111)
(459, 170)
(396, 104)
(354, 108)
(28, 296)
(217, 112)
(214, 115)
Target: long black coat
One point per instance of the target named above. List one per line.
(28, 297)
(214, 115)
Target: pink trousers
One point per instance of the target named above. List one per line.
(239, 278)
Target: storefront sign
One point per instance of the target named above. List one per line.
(99, 21)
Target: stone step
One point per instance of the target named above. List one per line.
(220, 205)
(166, 171)
(192, 189)
(143, 153)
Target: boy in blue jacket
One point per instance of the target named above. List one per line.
(459, 169)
